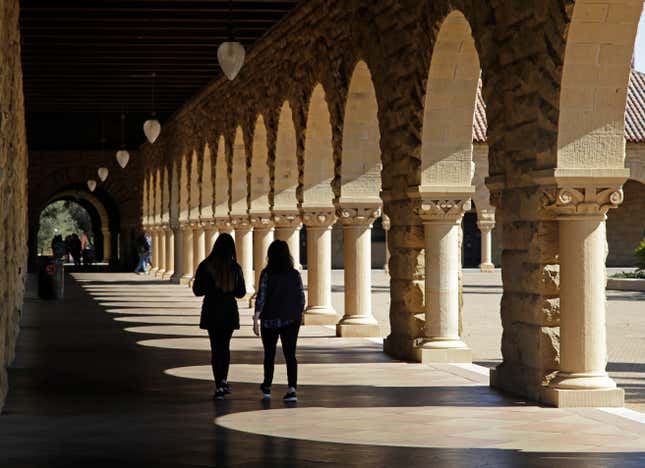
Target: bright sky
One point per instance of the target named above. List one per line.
(639, 48)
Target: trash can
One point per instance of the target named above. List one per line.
(51, 282)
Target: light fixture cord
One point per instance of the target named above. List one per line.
(154, 76)
(230, 20)
(122, 129)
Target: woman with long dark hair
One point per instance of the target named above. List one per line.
(219, 278)
(279, 304)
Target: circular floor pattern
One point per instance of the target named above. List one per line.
(530, 429)
(399, 374)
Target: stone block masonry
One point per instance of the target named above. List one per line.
(13, 187)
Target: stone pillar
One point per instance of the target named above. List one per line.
(154, 234)
(581, 212)
(287, 228)
(107, 245)
(357, 252)
(198, 245)
(486, 225)
(178, 257)
(187, 255)
(319, 309)
(263, 232)
(385, 222)
(170, 253)
(161, 255)
(210, 236)
(441, 222)
(244, 250)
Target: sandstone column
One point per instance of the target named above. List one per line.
(210, 236)
(244, 250)
(107, 245)
(319, 308)
(154, 234)
(178, 257)
(161, 255)
(486, 223)
(287, 228)
(170, 253)
(581, 212)
(199, 244)
(441, 222)
(187, 254)
(385, 222)
(357, 252)
(263, 232)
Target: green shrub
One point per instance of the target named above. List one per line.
(640, 255)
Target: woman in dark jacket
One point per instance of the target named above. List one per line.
(279, 305)
(219, 278)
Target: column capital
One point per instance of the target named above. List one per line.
(240, 222)
(385, 222)
(587, 200)
(261, 220)
(486, 220)
(223, 224)
(443, 209)
(358, 215)
(319, 217)
(287, 219)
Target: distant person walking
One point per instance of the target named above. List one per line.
(279, 304)
(142, 251)
(220, 279)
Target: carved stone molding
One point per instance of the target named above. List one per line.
(358, 215)
(224, 224)
(240, 222)
(443, 209)
(288, 220)
(319, 218)
(385, 222)
(589, 200)
(261, 221)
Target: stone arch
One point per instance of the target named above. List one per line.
(157, 197)
(239, 173)
(446, 146)
(207, 184)
(174, 193)
(165, 197)
(145, 201)
(286, 164)
(221, 180)
(593, 91)
(184, 207)
(318, 170)
(260, 180)
(195, 186)
(360, 173)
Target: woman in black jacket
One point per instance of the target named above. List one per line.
(219, 278)
(279, 305)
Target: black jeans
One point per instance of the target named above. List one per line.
(220, 353)
(288, 337)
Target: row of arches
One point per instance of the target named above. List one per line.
(397, 135)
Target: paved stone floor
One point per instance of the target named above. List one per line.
(117, 375)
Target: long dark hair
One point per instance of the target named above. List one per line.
(279, 258)
(222, 263)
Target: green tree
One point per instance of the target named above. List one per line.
(62, 217)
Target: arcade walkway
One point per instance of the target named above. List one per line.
(116, 375)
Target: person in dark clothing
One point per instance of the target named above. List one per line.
(220, 279)
(75, 249)
(279, 304)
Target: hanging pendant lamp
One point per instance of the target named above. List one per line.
(122, 156)
(152, 127)
(91, 184)
(103, 173)
(230, 54)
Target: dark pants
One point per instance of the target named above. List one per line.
(220, 353)
(288, 337)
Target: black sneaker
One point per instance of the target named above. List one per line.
(290, 396)
(219, 394)
(266, 391)
(228, 389)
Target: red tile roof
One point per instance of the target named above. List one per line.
(634, 111)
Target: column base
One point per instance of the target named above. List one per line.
(153, 271)
(443, 352)
(319, 316)
(159, 273)
(185, 279)
(358, 327)
(168, 275)
(488, 267)
(247, 298)
(565, 398)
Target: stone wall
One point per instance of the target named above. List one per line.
(13, 187)
(56, 172)
(626, 226)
